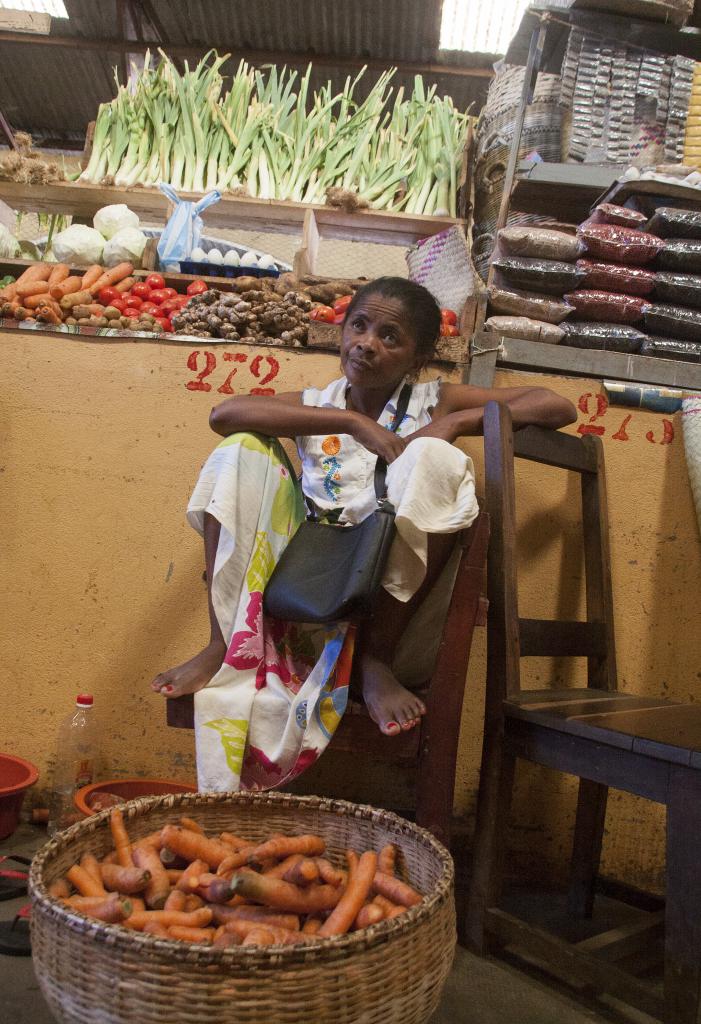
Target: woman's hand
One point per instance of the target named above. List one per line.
(378, 440)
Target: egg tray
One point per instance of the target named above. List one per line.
(207, 269)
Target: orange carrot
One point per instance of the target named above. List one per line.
(153, 839)
(274, 892)
(105, 908)
(192, 825)
(154, 928)
(303, 873)
(34, 301)
(119, 832)
(232, 840)
(59, 272)
(235, 859)
(9, 292)
(174, 875)
(387, 859)
(126, 880)
(125, 285)
(278, 870)
(67, 287)
(259, 915)
(35, 287)
(91, 275)
(193, 902)
(224, 940)
(192, 846)
(37, 272)
(388, 908)
(360, 881)
(110, 277)
(48, 315)
(196, 919)
(283, 846)
(190, 877)
(176, 900)
(328, 873)
(202, 936)
(158, 888)
(396, 890)
(259, 936)
(311, 926)
(368, 915)
(92, 865)
(84, 882)
(60, 889)
(137, 904)
(214, 889)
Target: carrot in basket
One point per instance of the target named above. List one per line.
(110, 277)
(67, 287)
(202, 936)
(387, 859)
(137, 905)
(328, 873)
(48, 315)
(303, 873)
(396, 890)
(259, 936)
(119, 833)
(192, 825)
(126, 880)
(311, 926)
(258, 915)
(369, 914)
(37, 272)
(60, 889)
(279, 869)
(235, 859)
(92, 865)
(283, 846)
(158, 888)
(193, 902)
(360, 881)
(91, 275)
(190, 877)
(232, 840)
(192, 846)
(196, 919)
(174, 875)
(59, 272)
(273, 892)
(84, 882)
(153, 839)
(176, 900)
(111, 909)
(214, 889)
(225, 940)
(154, 928)
(388, 908)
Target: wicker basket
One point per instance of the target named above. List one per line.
(391, 973)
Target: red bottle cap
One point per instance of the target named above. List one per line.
(84, 699)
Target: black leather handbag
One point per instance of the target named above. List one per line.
(329, 572)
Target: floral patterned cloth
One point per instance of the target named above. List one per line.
(276, 701)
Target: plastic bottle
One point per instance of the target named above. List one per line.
(78, 747)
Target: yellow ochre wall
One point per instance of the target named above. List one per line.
(103, 584)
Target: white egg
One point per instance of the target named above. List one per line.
(231, 258)
(267, 263)
(215, 256)
(199, 255)
(249, 259)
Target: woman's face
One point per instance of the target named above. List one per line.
(378, 347)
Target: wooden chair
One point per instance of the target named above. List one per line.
(645, 746)
(431, 748)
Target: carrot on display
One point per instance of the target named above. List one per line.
(192, 825)
(110, 277)
(360, 880)
(48, 315)
(35, 287)
(387, 859)
(214, 889)
(59, 272)
(303, 873)
(126, 880)
(196, 919)
(40, 299)
(274, 892)
(225, 940)
(328, 873)
(190, 877)
(174, 875)
(84, 882)
(122, 845)
(192, 846)
(125, 285)
(60, 889)
(279, 869)
(259, 936)
(112, 909)
(388, 908)
(311, 926)
(396, 890)
(259, 915)
(137, 905)
(193, 902)
(234, 841)
(91, 275)
(158, 887)
(203, 936)
(176, 900)
(66, 287)
(153, 839)
(9, 292)
(154, 928)
(283, 846)
(369, 914)
(37, 272)
(91, 864)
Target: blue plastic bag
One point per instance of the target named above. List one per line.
(184, 228)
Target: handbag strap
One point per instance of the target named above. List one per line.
(381, 464)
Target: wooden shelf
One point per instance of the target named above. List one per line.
(565, 191)
(83, 200)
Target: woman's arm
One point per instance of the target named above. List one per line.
(285, 416)
(461, 407)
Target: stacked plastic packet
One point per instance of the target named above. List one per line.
(692, 137)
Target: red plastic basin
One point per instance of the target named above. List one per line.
(129, 789)
(16, 776)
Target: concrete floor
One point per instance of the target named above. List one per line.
(478, 991)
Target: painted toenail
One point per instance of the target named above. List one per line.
(393, 725)
(167, 689)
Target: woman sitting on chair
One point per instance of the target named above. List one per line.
(269, 694)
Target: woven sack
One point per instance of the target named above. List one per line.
(442, 264)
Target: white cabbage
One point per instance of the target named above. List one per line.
(127, 245)
(78, 244)
(111, 219)
(9, 246)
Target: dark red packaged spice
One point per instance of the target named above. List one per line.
(678, 288)
(611, 337)
(551, 276)
(672, 348)
(614, 214)
(669, 222)
(618, 244)
(616, 277)
(683, 254)
(674, 322)
(611, 307)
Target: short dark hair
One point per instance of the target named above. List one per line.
(423, 310)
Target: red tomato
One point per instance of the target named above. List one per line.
(150, 307)
(339, 318)
(323, 313)
(168, 307)
(342, 304)
(168, 325)
(181, 300)
(141, 290)
(158, 296)
(131, 312)
(170, 292)
(106, 296)
(449, 331)
(197, 287)
(120, 303)
(135, 302)
(155, 281)
(449, 317)
(162, 320)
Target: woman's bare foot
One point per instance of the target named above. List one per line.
(391, 705)
(192, 675)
